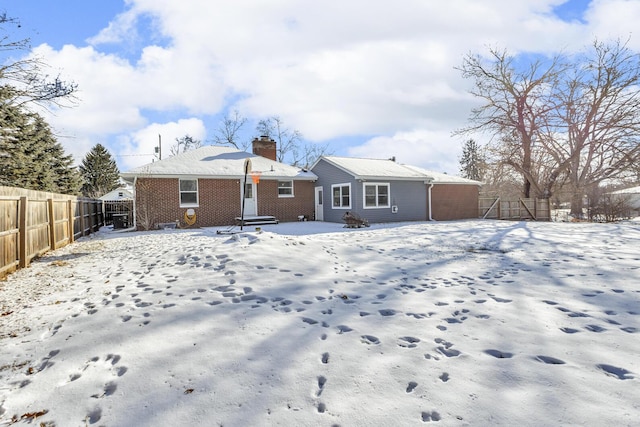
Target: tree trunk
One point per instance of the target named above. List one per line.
(577, 203)
(526, 189)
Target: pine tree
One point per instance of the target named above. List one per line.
(43, 151)
(12, 159)
(30, 155)
(67, 178)
(99, 172)
(472, 161)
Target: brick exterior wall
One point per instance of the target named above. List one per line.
(158, 200)
(454, 201)
(286, 209)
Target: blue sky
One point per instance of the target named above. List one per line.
(376, 80)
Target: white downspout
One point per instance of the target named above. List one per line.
(429, 191)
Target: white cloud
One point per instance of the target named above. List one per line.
(138, 148)
(329, 69)
(436, 151)
(612, 19)
(120, 29)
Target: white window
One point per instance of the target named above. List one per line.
(188, 192)
(376, 195)
(248, 190)
(341, 194)
(285, 188)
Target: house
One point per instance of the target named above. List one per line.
(214, 185)
(631, 197)
(452, 197)
(117, 206)
(117, 194)
(382, 190)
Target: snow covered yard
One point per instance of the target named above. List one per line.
(310, 324)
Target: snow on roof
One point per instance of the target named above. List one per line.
(375, 168)
(117, 194)
(217, 161)
(443, 178)
(632, 190)
(387, 168)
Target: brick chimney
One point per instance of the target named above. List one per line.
(265, 147)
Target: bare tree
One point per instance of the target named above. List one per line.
(570, 120)
(228, 131)
(290, 145)
(287, 140)
(146, 204)
(513, 102)
(606, 206)
(593, 133)
(24, 81)
(184, 144)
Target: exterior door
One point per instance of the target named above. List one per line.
(250, 199)
(319, 207)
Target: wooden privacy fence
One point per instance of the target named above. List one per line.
(521, 209)
(33, 224)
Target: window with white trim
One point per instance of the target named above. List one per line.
(285, 188)
(341, 194)
(188, 192)
(376, 195)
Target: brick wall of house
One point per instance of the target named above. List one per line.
(286, 208)
(454, 201)
(219, 202)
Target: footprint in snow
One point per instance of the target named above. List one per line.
(370, 339)
(321, 382)
(499, 354)
(94, 416)
(595, 328)
(549, 360)
(387, 312)
(430, 416)
(449, 352)
(615, 372)
(343, 329)
(408, 342)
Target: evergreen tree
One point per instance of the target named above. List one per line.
(39, 144)
(472, 161)
(67, 178)
(99, 172)
(30, 155)
(13, 161)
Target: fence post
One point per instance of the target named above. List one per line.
(52, 225)
(81, 215)
(22, 233)
(71, 214)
